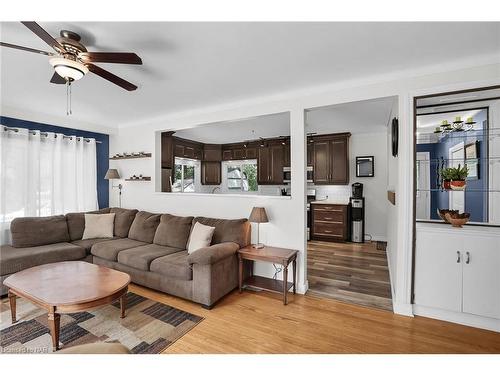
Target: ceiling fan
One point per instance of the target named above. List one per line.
(71, 60)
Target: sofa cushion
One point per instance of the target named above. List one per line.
(14, 259)
(144, 226)
(237, 230)
(98, 226)
(173, 265)
(109, 249)
(37, 231)
(142, 256)
(76, 223)
(123, 220)
(173, 231)
(87, 244)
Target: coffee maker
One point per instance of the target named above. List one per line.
(357, 216)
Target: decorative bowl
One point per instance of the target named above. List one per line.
(442, 213)
(457, 220)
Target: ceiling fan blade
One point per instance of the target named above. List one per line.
(57, 79)
(111, 77)
(111, 57)
(45, 36)
(28, 49)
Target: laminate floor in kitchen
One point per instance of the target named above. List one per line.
(353, 273)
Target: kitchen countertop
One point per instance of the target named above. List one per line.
(331, 201)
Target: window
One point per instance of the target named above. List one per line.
(184, 175)
(242, 175)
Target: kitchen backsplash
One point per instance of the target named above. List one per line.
(332, 192)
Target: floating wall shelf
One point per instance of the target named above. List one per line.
(145, 155)
(138, 179)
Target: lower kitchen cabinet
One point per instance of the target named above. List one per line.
(329, 222)
(458, 270)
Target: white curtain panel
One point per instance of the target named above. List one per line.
(44, 175)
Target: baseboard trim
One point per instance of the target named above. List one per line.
(458, 318)
(405, 309)
(302, 288)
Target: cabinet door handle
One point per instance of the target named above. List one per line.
(458, 256)
(467, 257)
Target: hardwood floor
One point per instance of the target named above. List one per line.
(355, 273)
(258, 322)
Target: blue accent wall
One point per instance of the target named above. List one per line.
(102, 149)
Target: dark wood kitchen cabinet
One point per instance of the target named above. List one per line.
(331, 159)
(167, 150)
(270, 164)
(239, 152)
(212, 152)
(187, 149)
(310, 152)
(286, 154)
(329, 222)
(211, 173)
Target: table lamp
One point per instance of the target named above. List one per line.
(258, 215)
(112, 174)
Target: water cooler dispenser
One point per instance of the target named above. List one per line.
(357, 216)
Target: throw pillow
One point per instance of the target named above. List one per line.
(201, 236)
(98, 226)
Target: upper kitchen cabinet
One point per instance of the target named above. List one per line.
(187, 149)
(212, 152)
(310, 152)
(167, 150)
(270, 163)
(330, 155)
(239, 151)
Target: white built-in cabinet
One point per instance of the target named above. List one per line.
(458, 270)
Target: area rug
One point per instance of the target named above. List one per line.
(149, 326)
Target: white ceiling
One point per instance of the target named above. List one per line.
(192, 65)
(267, 126)
(367, 116)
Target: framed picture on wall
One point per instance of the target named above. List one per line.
(365, 166)
(472, 160)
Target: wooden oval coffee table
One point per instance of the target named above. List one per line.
(67, 287)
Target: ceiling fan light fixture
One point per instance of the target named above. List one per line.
(68, 69)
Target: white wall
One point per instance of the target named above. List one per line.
(374, 188)
(288, 215)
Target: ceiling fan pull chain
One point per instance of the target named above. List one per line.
(68, 97)
(70, 112)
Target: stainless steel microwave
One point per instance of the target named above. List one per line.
(287, 174)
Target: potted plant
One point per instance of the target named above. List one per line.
(458, 176)
(446, 174)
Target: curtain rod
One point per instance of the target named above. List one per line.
(6, 128)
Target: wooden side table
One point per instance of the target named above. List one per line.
(273, 255)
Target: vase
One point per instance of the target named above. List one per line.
(458, 184)
(446, 184)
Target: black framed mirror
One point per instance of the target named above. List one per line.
(365, 166)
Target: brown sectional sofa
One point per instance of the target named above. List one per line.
(150, 247)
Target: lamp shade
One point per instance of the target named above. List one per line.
(112, 174)
(258, 215)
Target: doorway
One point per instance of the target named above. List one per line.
(346, 253)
